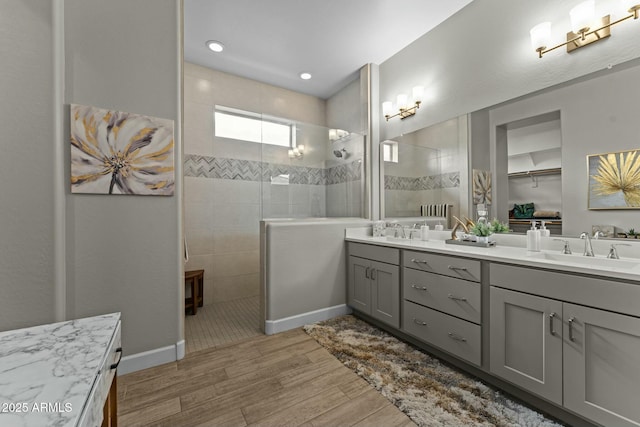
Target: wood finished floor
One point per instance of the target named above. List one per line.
(286, 379)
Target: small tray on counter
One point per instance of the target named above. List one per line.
(470, 243)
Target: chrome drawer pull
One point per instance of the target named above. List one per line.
(570, 322)
(420, 288)
(366, 272)
(115, 365)
(419, 261)
(419, 322)
(454, 268)
(455, 298)
(551, 331)
(373, 274)
(457, 337)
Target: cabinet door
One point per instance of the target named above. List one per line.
(359, 284)
(526, 342)
(602, 365)
(385, 293)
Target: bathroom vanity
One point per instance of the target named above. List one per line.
(61, 374)
(562, 328)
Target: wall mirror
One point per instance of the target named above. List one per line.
(424, 173)
(539, 145)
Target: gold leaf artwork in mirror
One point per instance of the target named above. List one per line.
(481, 187)
(614, 180)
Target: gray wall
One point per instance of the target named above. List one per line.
(482, 56)
(123, 252)
(27, 290)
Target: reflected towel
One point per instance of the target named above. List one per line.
(546, 214)
(282, 179)
(440, 209)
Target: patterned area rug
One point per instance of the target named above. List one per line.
(428, 391)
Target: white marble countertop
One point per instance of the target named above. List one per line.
(626, 268)
(47, 372)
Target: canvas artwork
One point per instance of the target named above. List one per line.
(481, 187)
(113, 152)
(614, 180)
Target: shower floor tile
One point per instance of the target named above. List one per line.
(222, 323)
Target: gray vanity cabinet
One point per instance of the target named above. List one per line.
(526, 341)
(582, 357)
(602, 365)
(374, 282)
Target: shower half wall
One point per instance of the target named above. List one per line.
(228, 192)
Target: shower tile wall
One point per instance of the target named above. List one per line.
(221, 216)
(231, 185)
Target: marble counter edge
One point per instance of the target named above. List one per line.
(49, 370)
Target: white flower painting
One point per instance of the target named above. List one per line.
(114, 152)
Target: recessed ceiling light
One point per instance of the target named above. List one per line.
(305, 76)
(215, 46)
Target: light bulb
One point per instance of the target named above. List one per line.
(387, 108)
(215, 46)
(582, 16)
(403, 99)
(541, 36)
(418, 94)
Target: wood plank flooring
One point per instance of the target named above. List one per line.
(286, 379)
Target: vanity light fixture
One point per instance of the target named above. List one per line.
(296, 152)
(585, 27)
(404, 108)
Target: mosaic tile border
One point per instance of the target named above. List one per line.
(250, 170)
(430, 182)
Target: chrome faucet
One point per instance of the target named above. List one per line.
(395, 233)
(588, 249)
(598, 234)
(415, 228)
(613, 252)
(566, 249)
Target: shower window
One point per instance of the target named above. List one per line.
(247, 126)
(390, 151)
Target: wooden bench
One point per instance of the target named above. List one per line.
(195, 280)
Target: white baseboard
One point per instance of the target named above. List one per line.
(151, 358)
(180, 349)
(275, 326)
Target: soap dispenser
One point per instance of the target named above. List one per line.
(544, 232)
(533, 238)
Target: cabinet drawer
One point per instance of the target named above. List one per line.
(596, 292)
(456, 336)
(461, 268)
(457, 297)
(376, 253)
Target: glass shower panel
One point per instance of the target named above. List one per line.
(308, 180)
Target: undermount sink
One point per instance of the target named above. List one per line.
(585, 260)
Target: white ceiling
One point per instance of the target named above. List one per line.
(273, 41)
